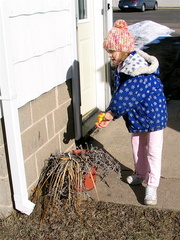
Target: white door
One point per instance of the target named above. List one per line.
(86, 57)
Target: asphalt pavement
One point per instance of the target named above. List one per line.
(169, 17)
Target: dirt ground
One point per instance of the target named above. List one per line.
(100, 220)
(94, 220)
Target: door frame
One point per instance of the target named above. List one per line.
(103, 10)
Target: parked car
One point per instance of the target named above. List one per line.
(141, 5)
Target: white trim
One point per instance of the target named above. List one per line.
(12, 128)
(87, 19)
(83, 21)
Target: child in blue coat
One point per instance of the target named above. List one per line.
(137, 96)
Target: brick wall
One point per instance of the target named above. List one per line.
(46, 127)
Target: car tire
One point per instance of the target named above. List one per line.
(155, 6)
(143, 8)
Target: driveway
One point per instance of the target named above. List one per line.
(167, 17)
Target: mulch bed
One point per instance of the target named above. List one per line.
(94, 220)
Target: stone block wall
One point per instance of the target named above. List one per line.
(46, 125)
(5, 192)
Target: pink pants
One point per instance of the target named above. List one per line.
(147, 153)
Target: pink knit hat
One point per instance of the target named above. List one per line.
(119, 38)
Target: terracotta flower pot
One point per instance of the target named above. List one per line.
(88, 182)
(79, 151)
(90, 178)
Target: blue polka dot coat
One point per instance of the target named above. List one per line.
(138, 94)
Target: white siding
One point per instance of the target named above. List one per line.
(40, 36)
(36, 34)
(19, 7)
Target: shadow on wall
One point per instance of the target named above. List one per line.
(69, 134)
(6, 165)
(74, 125)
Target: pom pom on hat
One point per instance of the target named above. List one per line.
(121, 24)
(119, 38)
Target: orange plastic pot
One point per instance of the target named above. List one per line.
(78, 151)
(89, 178)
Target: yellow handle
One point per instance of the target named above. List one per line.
(100, 118)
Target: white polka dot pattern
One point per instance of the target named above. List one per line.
(140, 100)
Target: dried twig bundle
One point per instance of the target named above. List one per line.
(62, 179)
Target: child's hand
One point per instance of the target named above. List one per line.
(102, 124)
(104, 120)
